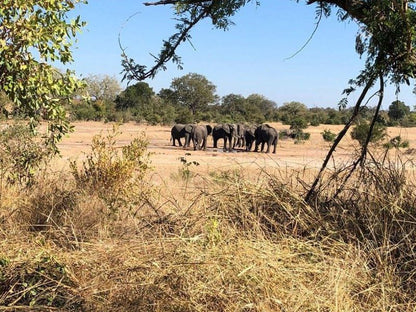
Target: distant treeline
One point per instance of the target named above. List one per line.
(192, 98)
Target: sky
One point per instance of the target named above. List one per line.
(256, 55)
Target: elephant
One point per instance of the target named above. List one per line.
(249, 137)
(266, 134)
(240, 138)
(200, 134)
(179, 131)
(226, 132)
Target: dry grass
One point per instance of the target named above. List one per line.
(217, 238)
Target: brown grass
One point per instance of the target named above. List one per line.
(232, 234)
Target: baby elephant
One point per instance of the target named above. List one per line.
(199, 136)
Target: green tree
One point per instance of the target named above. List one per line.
(33, 34)
(264, 105)
(135, 97)
(291, 111)
(193, 91)
(398, 110)
(234, 107)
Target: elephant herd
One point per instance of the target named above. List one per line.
(234, 135)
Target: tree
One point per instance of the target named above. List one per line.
(233, 106)
(193, 91)
(102, 87)
(292, 110)
(264, 105)
(398, 110)
(34, 33)
(135, 97)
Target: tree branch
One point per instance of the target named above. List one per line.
(338, 139)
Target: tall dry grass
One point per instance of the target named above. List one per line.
(232, 243)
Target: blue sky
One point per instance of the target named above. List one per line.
(252, 57)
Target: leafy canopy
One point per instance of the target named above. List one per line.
(193, 91)
(34, 34)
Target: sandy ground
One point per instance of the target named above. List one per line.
(165, 157)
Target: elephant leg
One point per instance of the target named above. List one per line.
(179, 141)
(274, 145)
(215, 142)
(268, 148)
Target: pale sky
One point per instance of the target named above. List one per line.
(251, 57)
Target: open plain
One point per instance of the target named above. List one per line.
(307, 156)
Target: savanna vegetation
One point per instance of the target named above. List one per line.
(103, 233)
(110, 232)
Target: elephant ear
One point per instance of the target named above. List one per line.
(209, 129)
(188, 128)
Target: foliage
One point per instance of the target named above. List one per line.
(21, 154)
(398, 110)
(134, 97)
(33, 34)
(328, 135)
(40, 282)
(112, 176)
(102, 87)
(360, 133)
(292, 112)
(193, 91)
(396, 142)
(185, 171)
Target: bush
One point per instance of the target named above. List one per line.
(328, 135)
(396, 142)
(360, 132)
(21, 154)
(112, 176)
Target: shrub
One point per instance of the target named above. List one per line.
(328, 135)
(396, 142)
(21, 154)
(113, 176)
(360, 132)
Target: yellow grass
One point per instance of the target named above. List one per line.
(234, 235)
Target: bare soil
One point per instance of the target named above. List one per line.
(166, 158)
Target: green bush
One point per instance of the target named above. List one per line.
(22, 154)
(360, 132)
(396, 142)
(328, 135)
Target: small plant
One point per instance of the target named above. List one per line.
(185, 171)
(396, 142)
(328, 135)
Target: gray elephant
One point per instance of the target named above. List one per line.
(249, 136)
(226, 132)
(266, 134)
(200, 134)
(239, 134)
(179, 131)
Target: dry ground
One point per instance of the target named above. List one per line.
(307, 156)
